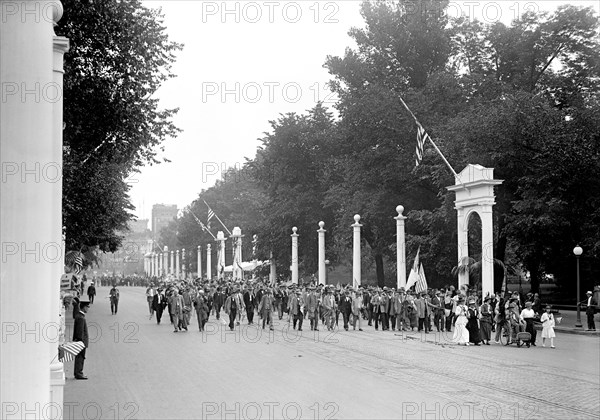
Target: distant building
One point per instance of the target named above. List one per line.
(162, 215)
(138, 226)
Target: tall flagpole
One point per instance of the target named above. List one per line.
(432, 142)
(222, 224)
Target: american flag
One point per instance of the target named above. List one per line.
(422, 136)
(211, 214)
(421, 285)
(78, 264)
(69, 350)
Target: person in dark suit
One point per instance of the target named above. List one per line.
(80, 333)
(159, 302)
(265, 309)
(91, 292)
(114, 299)
(201, 305)
(345, 307)
(384, 301)
(218, 301)
(590, 310)
(295, 305)
(250, 303)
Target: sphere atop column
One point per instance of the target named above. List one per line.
(400, 210)
(294, 230)
(321, 224)
(356, 218)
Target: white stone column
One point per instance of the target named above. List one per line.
(294, 236)
(487, 250)
(356, 280)
(199, 261)
(172, 266)
(236, 237)
(160, 263)
(30, 233)
(208, 262)
(184, 269)
(273, 272)
(221, 255)
(177, 265)
(400, 248)
(463, 243)
(165, 262)
(322, 266)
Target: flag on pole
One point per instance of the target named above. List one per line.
(211, 214)
(503, 291)
(68, 351)
(414, 272)
(421, 285)
(422, 137)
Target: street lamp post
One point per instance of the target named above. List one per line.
(578, 251)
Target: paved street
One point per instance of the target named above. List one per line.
(138, 370)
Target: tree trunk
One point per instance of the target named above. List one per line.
(535, 279)
(379, 269)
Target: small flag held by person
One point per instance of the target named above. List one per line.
(68, 351)
(421, 285)
(414, 272)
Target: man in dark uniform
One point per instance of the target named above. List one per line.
(250, 303)
(218, 301)
(345, 307)
(80, 333)
(91, 292)
(114, 299)
(158, 304)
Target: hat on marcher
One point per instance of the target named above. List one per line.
(84, 303)
(471, 301)
(588, 292)
(528, 303)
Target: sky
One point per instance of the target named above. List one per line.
(243, 64)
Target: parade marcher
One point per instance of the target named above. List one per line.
(485, 321)
(448, 310)
(384, 301)
(422, 311)
(375, 305)
(80, 333)
(158, 304)
(312, 307)
(329, 307)
(590, 310)
(357, 307)
(392, 309)
(473, 323)
(232, 306)
(265, 309)
(150, 298)
(114, 299)
(218, 301)
(528, 316)
(176, 310)
(91, 292)
(368, 305)
(201, 306)
(547, 320)
(346, 308)
(437, 307)
(500, 317)
(295, 306)
(250, 303)
(461, 334)
(187, 305)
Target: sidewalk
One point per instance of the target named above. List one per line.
(569, 319)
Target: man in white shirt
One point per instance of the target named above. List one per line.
(528, 316)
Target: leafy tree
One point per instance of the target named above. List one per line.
(119, 55)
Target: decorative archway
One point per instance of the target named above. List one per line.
(474, 191)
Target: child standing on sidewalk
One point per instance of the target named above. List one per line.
(547, 321)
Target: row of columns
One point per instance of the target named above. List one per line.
(356, 251)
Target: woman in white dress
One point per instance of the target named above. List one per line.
(547, 320)
(461, 334)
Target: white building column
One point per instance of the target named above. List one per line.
(400, 248)
(184, 269)
(236, 237)
(159, 256)
(356, 280)
(199, 261)
(322, 266)
(30, 233)
(294, 236)
(208, 263)
(177, 265)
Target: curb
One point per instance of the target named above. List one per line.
(578, 331)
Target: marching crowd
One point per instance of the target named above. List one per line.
(471, 318)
